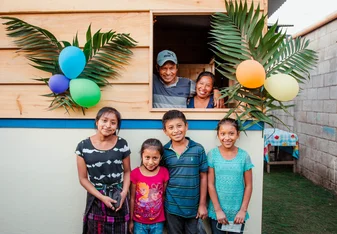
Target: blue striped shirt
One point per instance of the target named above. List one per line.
(183, 188)
(174, 95)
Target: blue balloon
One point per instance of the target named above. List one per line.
(58, 83)
(72, 61)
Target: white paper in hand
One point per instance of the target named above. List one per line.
(231, 227)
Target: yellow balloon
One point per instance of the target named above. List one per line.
(282, 87)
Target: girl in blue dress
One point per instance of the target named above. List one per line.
(229, 179)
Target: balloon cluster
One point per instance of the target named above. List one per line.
(84, 92)
(282, 87)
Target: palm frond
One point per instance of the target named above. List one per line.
(239, 35)
(294, 57)
(106, 53)
(38, 45)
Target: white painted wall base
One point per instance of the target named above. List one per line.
(40, 192)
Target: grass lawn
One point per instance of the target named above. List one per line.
(292, 204)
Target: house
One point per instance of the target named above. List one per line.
(40, 192)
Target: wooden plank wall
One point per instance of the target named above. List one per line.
(130, 93)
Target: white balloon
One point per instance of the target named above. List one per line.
(282, 87)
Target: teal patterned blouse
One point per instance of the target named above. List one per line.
(229, 181)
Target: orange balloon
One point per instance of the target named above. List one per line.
(250, 74)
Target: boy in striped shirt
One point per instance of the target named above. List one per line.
(185, 199)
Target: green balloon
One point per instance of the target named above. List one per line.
(84, 92)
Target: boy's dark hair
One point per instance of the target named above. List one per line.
(228, 120)
(152, 143)
(108, 109)
(206, 73)
(173, 114)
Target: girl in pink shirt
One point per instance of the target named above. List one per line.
(148, 184)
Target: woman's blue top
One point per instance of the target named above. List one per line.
(190, 102)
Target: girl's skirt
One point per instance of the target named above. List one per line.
(99, 219)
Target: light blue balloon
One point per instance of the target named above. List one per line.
(72, 61)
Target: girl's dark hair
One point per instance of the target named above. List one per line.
(108, 109)
(206, 73)
(152, 143)
(173, 114)
(230, 121)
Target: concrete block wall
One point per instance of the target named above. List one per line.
(315, 113)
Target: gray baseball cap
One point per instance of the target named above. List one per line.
(166, 55)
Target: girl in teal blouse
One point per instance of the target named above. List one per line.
(230, 192)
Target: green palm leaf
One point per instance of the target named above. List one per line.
(38, 45)
(293, 54)
(237, 36)
(105, 53)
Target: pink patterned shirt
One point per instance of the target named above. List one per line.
(149, 199)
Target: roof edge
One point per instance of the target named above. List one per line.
(317, 25)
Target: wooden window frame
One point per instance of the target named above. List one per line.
(216, 111)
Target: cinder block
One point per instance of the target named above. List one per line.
(333, 38)
(304, 171)
(316, 155)
(317, 179)
(323, 40)
(321, 170)
(322, 118)
(332, 26)
(329, 133)
(301, 116)
(310, 156)
(332, 120)
(323, 145)
(317, 105)
(312, 143)
(321, 51)
(305, 128)
(302, 95)
(330, 79)
(327, 184)
(332, 175)
(311, 117)
(311, 36)
(333, 92)
(331, 51)
(302, 139)
(327, 159)
(312, 93)
(330, 106)
(318, 130)
(311, 165)
(307, 105)
(333, 64)
(298, 105)
(332, 148)
(317, 81)
(323, 93)
(324, 67)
